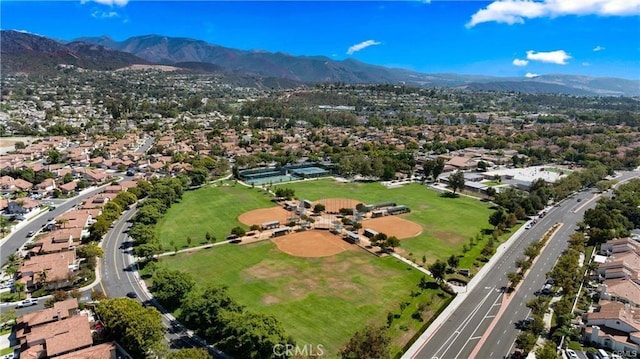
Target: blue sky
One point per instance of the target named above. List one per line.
(502, 38)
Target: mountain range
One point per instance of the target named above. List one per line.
(28, 53)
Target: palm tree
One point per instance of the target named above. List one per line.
(4, 223)
(62, 222)
(42, 277)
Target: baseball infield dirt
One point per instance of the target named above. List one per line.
(393, 226)
(312, 244)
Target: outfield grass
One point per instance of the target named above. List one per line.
(208, 209)
(318, 300)
(447, 222)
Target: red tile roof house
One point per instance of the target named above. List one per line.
(68, 187)
(45, 187)
(56, 241)
(95, 176)
(57, 338)
(58, 270)
(10, 185)
(615, 326)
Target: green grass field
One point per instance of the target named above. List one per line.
(447, 222)
(318, 300)
(208, 209)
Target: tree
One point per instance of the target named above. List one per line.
(370, 343)
(456, 181)
(318, 208)
(68, 177)
(238, 231)
(526, 341)
(438, 167)
(203, 310)
(54, 156)
(252, 335)
(138, 329)
(438, 270)
(498, 217)
(171, 286)
(190, 353)
(8, 316)
(491, 192)
(62, 222)
(547, 351)
(453, 261)
(392, 242)
(19, 287)
(199, 176)
(4, 224)
(90, 251)
(148, 215)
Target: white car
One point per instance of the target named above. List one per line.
(27, 303)
(571, 354)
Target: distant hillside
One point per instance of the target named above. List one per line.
(22, 52)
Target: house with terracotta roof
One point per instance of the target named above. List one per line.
(68, 187)
(56, 338)
(100, 351)
(615, 326)
(9, 185)
(54, 270)
(619, 245)
(45, 187)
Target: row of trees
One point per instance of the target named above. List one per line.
(212, 314)
(139, 330)
(614, 217)
(160, 195)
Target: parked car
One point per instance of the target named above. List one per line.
(31, 233)
(132, 295)
(27, 303)
(571, 354)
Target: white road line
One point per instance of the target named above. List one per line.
(478, 326)
(463, 325)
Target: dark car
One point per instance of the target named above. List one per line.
(132, 295)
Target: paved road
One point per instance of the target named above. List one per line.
(13, 242)
(465, 326)
(119, 276)
(501, 340)
(146, 145)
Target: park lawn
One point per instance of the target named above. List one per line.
(208, 209)
(447, 222)
(318, 300)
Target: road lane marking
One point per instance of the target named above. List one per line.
(462, 325)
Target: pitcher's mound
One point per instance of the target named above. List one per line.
(393, 226)
(312, 244)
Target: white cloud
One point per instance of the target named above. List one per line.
(530, 75)
(104, 14)
(363, 45)
(554, 57)
(107, 2)
(598, 48)
(520, 62)
(516, 11)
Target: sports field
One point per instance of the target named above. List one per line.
(318, 300)
(214, 210)
(447, 222)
